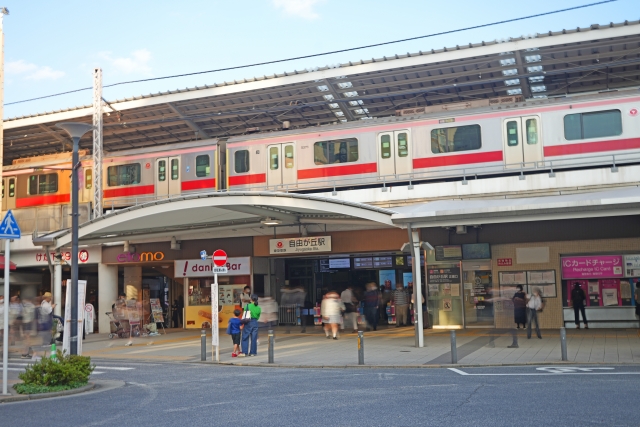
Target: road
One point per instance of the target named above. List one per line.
(196, 395)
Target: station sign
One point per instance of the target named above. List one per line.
(297, 245)
(239, 266)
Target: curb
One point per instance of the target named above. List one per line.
(23, 397)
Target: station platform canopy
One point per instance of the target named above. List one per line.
(536, 66)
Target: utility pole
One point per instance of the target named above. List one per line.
(97, 142)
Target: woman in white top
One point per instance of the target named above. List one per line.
(533, 306)
(332, 308)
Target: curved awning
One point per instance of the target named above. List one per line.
(229, 214)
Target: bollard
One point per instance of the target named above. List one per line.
(54, 352)
(271, 345)
(203, 345)
(454, 349)
(360, 348)
(563, 343)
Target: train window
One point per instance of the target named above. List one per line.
(512, 134)
(12, 187)
(403, 145)
(202, 166)
(385, 146)
(175, 169)
(592, 125)
(336, 151)
(274, 158)
(461, 138)
(123, 175)
(162, 170)
(43, 184)
(88, 178)
(241, 161)
(288, 156)
(531, 125)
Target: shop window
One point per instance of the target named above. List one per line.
(288, 156)
(531, 126)
(119, 175)
(512, 134)
(336, 151)
(88, 178)
(274, 158)
(162, 170)
(175, 169)
(461, 138)
(241, 161)
(592, 125)
(385, 146)
(202, 166)
(43, 184)
(403, 145)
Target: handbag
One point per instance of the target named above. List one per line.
(246, 316)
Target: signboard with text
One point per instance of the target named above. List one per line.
(239, 266)
(443, 275)
(632, 266)
(444, 253)
(300, 245)
(595, 266)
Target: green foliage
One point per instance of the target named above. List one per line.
(67, 370)
(23, 388)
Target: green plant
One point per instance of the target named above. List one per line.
(67, 370)
(23, 388)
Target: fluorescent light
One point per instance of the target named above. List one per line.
(269, 221)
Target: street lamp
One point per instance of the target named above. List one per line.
(75, 131)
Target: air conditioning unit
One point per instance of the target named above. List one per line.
(461, 229)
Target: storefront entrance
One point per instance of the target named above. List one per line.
(479, 294)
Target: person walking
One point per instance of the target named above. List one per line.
(371, 304)
(331, 310)
(578, 299)
(351, 313)
(299, 295)
(250, 330)
(519, 307)
(401, 301)
(533, 306)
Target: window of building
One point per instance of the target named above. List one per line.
(203, 166)
(128, 174)
(175, 169)
(336, 151)
(88, 178)
(461, 138)
(241, 161)
(592, 125)
(42, 184)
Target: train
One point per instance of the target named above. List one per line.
(494, 136)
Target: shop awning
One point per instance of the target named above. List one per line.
(12, 265)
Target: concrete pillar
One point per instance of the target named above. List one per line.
(107, 294)
(57, 288)
(133, 282)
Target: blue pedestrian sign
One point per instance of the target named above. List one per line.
(203, 255)
(9, 228)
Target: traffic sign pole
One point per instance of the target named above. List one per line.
(219, 258)
(5, 337)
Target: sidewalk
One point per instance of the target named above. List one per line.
(389, 347)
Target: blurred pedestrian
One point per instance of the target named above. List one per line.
(371, 305)
(401, 302)
(250, 330)
(28, 320)
(534, 305)
(269, 316)
(386, 293)
(331, 310)
(351, 312)
(578, 299)
(519, 307)
(299, 298)
(15, 319)
(45, 321)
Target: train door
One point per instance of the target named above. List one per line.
(394, 153)
(168, 176)
(522, 142)
(8, 193)
(282, 166)
(86, 185)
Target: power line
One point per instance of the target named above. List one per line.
(238, 67)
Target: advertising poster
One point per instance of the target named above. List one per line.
(632, 266)
(388, 278)
(407, 279)
(591, 267)
(156, 310)
(610, 292)
(625, 292)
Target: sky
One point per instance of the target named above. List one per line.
(52, 47)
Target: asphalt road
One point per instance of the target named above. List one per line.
(184, 395)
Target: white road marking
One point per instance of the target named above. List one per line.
(560, 370)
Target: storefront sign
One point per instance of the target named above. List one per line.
(505, 262)
(204, 268)
(585, 267)
(632, 266)
(443, 275)
(89, 255)
(444, 253)
(140, 257)
(300, 245)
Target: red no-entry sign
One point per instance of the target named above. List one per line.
(220, 258)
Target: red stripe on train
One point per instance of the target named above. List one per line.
(337, 171)
(255, 178)
(129, 191)
(592, 147)
(198, 184)
(52, 199)
(459, 159)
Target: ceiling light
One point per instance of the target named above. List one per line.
(269, 221)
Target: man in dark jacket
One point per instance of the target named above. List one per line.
(578, 299)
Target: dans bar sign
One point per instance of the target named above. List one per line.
(300, 245)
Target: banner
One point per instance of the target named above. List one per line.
(66, 343)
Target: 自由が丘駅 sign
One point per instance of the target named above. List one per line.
(300, 245)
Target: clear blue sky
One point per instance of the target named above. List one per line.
(52, 47)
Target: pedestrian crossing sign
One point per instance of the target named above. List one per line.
(9, 228)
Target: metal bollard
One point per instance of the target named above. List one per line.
(454, 349)
(203, 345)
(563, 343)
(360, 348)
(271, 345)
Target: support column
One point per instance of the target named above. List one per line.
(133, 282)
(414, 240)
(57, 288)
(107, 294)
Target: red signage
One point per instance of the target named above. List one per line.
(504, 262)
(219, 258)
